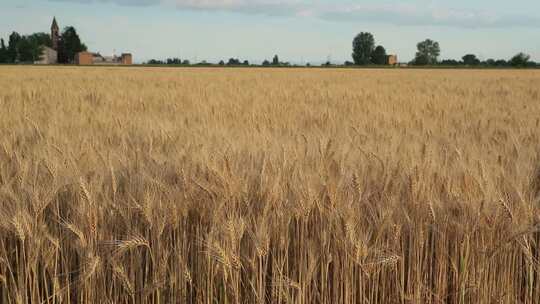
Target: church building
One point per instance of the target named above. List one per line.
(50, 55)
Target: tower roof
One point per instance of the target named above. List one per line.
(54, 24)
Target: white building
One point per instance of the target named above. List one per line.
(48, 56)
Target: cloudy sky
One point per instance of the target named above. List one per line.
(298, 30)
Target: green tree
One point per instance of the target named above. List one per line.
(175, 61)
(35, 43)
(450, 62)
(12, 49)
(275, 60)
(70, 45)
(501, 63)
(379, 56)
(3, 52)
(470, 59)
(42, 39)
(25, 50)
(428, 52)
(363, 47)
(520, 60)
(233, 61)
(490, 62)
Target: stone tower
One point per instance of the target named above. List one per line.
(55, 34)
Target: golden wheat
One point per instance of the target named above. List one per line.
(148, 185)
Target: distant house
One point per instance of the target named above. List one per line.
(89, 58)
(391, 59)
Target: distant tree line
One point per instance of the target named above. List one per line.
(169, 61)
(471, 60)
(28, 48)
(428, 51)
(235, 61)
(275, 62)
(230, 62)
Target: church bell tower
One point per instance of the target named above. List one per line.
(55, 35)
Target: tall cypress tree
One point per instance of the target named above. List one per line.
(70, 45)
(12, 49)
(3, 51)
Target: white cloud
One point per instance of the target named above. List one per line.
(429, 16)
(397, 14)
(266, 7)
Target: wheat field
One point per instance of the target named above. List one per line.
(149, 185)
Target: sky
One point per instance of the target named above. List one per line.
(298, 31)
